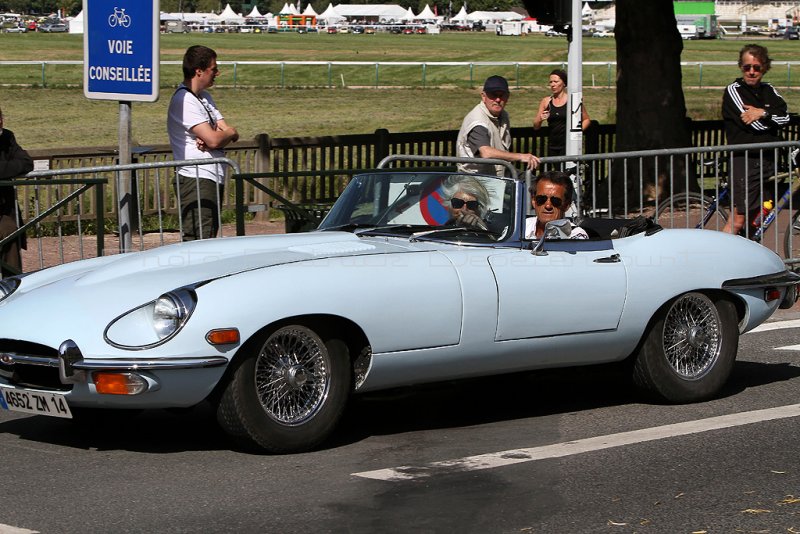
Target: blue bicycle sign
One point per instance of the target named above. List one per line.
(119, 17)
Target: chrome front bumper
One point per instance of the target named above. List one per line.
(73, 367)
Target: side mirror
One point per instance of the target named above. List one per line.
(558, 229)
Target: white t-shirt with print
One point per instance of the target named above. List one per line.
(185, 112)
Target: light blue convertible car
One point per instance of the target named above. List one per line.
(277, 332)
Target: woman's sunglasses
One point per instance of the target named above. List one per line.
(458, 203)
(541, 200)
(747, 68)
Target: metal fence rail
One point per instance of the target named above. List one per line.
(601, 74)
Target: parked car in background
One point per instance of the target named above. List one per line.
(602, 33)
(408, 31)
(331, 29)
(369, 30)
(358, 29)
(344, 29)
(554, 33)
(792, 33)
(56, 27)
(15, 29)
(406, 290)
(421, 30)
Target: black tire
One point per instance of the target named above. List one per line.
(689, 350)
(288, 394)
(791, 239)
(686, 210)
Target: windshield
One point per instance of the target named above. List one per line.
(426, 205)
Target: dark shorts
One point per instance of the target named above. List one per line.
(749, 177)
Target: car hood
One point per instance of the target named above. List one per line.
(143, 276)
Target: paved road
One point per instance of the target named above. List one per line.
(578, 452)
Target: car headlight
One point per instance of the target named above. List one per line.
(8, 286)
(153, 323)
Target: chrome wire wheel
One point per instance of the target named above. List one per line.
(292, 375)
(692, 336)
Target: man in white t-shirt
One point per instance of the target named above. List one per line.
(197, 130)
(551, 196)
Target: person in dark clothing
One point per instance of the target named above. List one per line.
(553, 109)
(752, 112)
(14, 162)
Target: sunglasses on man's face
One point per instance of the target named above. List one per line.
(748, 68)
(458, 203)
(541, 200)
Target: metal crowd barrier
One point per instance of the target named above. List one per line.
(676, 187)
(63, 211)
(690, 188)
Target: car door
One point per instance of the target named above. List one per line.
(575, 286)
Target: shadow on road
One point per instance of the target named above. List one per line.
(434, 406)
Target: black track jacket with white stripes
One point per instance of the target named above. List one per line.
(737, 95)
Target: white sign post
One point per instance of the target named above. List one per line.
(121, 62)
(575, 102)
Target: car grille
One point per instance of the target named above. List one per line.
(41, 372)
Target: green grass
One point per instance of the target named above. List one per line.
(262, 99)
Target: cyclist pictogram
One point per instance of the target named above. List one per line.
(119, 17)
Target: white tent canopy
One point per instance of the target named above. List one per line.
(425, 14)
(409, 15)
(371, 11)
(330, 15)
(489, 16)
(76, 24)
(462, 15)
(255, 13)
(309, 11)
(228, 15)
(289, 9)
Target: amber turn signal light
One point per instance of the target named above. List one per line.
(118, 383)
(223, 336)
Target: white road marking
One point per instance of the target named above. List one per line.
(560, 450)
(8, 529)
(777, 325)
(788, 347)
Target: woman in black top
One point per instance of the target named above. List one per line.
(553, 109)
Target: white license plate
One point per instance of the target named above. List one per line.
(38, 402)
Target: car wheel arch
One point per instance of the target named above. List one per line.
(326, 325)
(736, 300)
(718, 297)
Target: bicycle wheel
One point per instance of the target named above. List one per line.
(791, 240)
(687, 210)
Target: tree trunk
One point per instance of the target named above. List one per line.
(651, 111)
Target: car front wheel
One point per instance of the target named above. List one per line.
(689, 349)
(288, 394)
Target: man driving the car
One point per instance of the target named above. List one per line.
(551, 197)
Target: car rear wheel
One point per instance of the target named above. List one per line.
(689, 350)
(288, 394)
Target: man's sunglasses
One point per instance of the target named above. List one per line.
(458, 203)
(541, 200)
(746, 68)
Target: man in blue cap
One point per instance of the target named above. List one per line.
(486, 132)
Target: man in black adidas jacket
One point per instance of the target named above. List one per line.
(752, 111)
